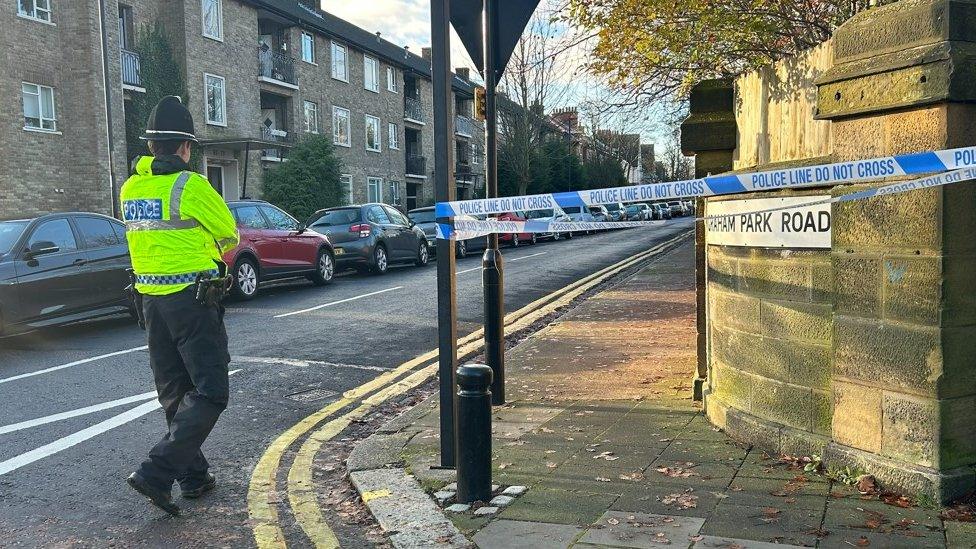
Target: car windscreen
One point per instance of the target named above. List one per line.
(613, 207)
(572, 209)
(10, 231)
(423, 216)
(633, 208)
(537, 214)
(343, 216)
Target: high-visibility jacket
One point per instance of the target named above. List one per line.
(176, 224)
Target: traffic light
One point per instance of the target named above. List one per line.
(479, 103)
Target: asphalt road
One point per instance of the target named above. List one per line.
(77, 411)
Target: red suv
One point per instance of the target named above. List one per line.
(274, 246)
(515, 239)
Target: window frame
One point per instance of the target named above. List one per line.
(392, 84)
(315, 109)
(375, 73)
(89, 245)
(336, 46)
(61, 250)
(311, 44)
(266, 208)
(393, 136)
(33, 16)
(335, 126)
(379, 128)
(206, 99)
(220, 20)
(394, 187)
(345, 185)
(378, 181)
(40, 108)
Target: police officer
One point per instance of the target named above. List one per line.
(178, 227)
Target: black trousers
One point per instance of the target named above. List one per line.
(189, 358)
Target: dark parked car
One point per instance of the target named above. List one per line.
(61, 268)
(618, 212)
(426, 220)
(275, 246)
(371, 236)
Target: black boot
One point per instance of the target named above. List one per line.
(196, 487)
(158, 497)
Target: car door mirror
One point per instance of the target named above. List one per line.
(301, 228)
(43, 247)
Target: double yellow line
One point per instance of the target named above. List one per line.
(263, 497)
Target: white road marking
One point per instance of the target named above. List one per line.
(304, 363)
(468, 270)
(528, 256)
(72, 364)
(75, 413)
(310, 309)
(74, 439)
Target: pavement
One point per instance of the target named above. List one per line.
(601, 431)
(78, 413)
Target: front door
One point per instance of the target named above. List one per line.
(256, 230)
(56, 283)
(298, 251)
(215, 174)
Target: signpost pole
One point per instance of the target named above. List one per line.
(492, 264)
(444, 191)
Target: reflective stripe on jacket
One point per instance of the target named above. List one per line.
(176, 224)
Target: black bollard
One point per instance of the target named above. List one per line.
(492, 276)
(474, 433)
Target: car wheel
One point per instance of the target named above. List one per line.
(380, 260)
(245, 278)
(461, 249)
(324, 268)
(515, 241)
(423, 254)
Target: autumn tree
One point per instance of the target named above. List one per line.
(652, 50)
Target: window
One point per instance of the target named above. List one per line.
(57, 231)
(339, 71)
(39, 107)
(394, 131)
(393, 197)
(279, 220)
(376, 214)
(308, 48)
(371, 79)
(216, 105)
(96, 232)
(373, 134)
(35, 9)
(126, 36)
(345, 187)
(213, 19)
(311, 117)
(374, 193)
(250, 218)
(475, 153)
(391, 79)
(340, 126)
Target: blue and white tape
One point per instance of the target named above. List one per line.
(788, 178)
(466, 227)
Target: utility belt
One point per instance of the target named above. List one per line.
(209, 287)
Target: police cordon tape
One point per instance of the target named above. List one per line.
(463, 228)
(788, 178)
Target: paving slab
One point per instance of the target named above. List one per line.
(401, 506)
(513, 534)
(559, 506)
(626, 529)
(378, 451)
(713, 542)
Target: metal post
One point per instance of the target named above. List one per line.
(492, 265)
(444, 191)
(474, 433)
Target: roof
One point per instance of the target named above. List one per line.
(331, 25)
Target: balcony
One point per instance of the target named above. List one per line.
(277, 68)
(465, 127)
(416, 166)
(273, 135)
(131, 71)
(413, 110)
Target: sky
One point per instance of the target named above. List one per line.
(407, 23)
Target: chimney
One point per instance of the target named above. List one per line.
(464, 73)
(427, 53)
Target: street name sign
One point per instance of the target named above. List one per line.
(769, 222)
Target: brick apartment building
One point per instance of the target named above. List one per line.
(260, 74)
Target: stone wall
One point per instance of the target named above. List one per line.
(861, 353)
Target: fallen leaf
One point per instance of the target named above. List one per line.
(696, 538)
(602, 479)
(866, 484)
(613, 521)
(684, 501)
(551, 465)
(635, 476)
(720, 495)
(863, 542)
(547, 430)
